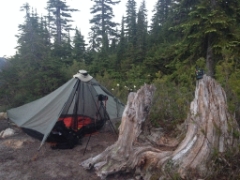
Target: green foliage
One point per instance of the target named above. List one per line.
(78, 47)
(141, 34)
(33, 72)
(23, 83)
(60, 19)
(224, 166)
(170, 169)
(181, 32)
(103, 25)
(171, 102)
(228, 74)
(161, 16)
(131, 25)
(69, 71)
(201, 63)
(114, 85)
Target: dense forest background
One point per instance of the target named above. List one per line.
(182, 35)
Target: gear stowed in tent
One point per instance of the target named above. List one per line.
(81, 106)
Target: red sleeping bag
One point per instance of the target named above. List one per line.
(82, 121)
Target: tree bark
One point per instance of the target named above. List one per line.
(209, 57)
(208, 129)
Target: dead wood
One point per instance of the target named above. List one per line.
(210, 128)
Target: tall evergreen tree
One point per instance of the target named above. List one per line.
(30, 30)
(121, 46)
(46, 37)
(142, 33)
(102, 22)
(210, 27)
(130, 35)
(94, 40)
(60, 19)
(160, 17)
(78, 46)
(65, 50)
(33, 73)
(131, 26)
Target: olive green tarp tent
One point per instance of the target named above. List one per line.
(77, 97)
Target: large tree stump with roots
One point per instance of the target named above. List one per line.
(208, 128)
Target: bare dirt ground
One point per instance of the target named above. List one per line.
(21, 160)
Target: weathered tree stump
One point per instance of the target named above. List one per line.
(209, 129)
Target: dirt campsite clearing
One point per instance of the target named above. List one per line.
(21, 160)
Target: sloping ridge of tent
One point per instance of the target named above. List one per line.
(41, 115)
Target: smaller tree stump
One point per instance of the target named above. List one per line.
(123, 155)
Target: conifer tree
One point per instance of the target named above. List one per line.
(210, 27)
(78, 46)
(46, 36)
(60, 18)
(131, 26)
(102, 22)
(94, 40)
(65, 50)
(30, 30)
(121, 46)
(142, 25)
(33, 72)
(130, 35)
(161, 16)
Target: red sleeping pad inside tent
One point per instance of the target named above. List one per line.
(82, 121)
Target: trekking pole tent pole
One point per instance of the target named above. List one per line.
(87, 144)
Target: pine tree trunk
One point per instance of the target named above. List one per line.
(209, 56)
(209, 129)
(59, 27)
